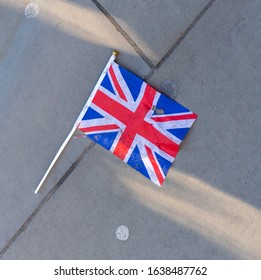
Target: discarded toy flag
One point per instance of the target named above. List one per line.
(138, 124)
(122, 117)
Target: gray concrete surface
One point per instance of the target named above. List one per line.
(154, 25)
(48, 69)
(209, 206)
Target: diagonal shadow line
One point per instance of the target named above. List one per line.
(179, 40)
(124, 34)
(46, 199)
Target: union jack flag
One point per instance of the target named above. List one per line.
(123, 118)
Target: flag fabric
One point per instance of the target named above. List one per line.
(136, 123)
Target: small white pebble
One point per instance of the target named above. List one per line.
(122, 233)
(31, 10)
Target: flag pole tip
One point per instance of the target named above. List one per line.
(115, 53)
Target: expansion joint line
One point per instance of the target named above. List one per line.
(46, 199)
(124, 34)
(179, 40)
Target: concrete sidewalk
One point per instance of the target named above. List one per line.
(210, 204)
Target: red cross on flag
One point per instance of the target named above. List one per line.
(121, 116)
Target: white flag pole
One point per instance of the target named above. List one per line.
(112, 58)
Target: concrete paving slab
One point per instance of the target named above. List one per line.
(154, 25)
(80, 220)
(217, 71)
(48, 67)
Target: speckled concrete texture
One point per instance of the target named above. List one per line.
(210, 204)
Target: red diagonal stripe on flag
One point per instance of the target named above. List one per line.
(174, 118)
(99, 127)
(155, 165)
(116, 84)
